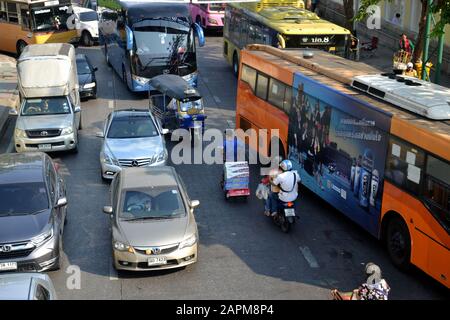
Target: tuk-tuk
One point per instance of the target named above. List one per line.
(177, 104)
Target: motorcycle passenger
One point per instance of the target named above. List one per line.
(288, 182)
(272, 188)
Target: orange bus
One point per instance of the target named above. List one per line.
(24, 22)
(375, 146)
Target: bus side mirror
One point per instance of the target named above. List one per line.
(200, 34)
(129, 38)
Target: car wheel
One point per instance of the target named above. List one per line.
(398, 243)
(87, 39)
(20, 46)
(235, 65)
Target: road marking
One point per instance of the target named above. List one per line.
(309, 257)
(111, 104)
(217, 99)
(205, 79)
(112, 271)
(110, 84)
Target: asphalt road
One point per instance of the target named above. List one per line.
(242, 255)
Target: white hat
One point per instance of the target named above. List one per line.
(410, 65)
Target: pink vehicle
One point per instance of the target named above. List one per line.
(208, 15)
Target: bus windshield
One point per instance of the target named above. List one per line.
(50, 18)
(216, 7)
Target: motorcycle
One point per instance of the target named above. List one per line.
(285, 217)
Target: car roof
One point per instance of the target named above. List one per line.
(16, 286)
(124, 113)
(22, 167)
(145, 177)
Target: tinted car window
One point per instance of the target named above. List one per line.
(23, 198)
(88, 16)
(159, 202)
(132, 127)
(83, 66)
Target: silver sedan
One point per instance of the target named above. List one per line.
(132, 138)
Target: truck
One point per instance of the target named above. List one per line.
(49, 115)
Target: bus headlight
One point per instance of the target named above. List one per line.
(212, 21)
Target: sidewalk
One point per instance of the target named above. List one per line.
(9, 99)
(382, 60)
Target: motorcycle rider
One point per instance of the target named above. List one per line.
(288, 182)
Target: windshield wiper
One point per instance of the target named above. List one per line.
(146, 218)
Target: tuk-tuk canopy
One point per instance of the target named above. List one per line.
(175, 87)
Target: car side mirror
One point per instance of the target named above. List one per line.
(77, 109)
(165, 131)
(61, 202)
(13, 112)
(108, 209)
(194, 204)
(95, 69)
(99, 135)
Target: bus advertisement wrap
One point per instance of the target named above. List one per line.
(338, 145)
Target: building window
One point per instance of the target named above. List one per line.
(405, 165)
(261, 86)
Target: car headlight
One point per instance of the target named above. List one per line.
(162, 156)
(140, 80)
(212, 21)
(67, 130)
(109, 159)
(89, 85)
(19, 133)
(189, 242)
(40, 239)
(123, 247)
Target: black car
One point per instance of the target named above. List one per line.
(86, 77)
(33, 210)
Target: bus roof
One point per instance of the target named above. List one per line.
(289, 19)
(338, 73)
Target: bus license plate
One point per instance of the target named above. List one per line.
(289, 212)
(156, 261)
(8, 266)
(44, 146)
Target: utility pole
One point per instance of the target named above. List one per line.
(437, 77)
(427, 40)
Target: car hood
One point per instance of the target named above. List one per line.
(135, 148)
(154, 232)
(23, 227)
(54, 121)
(84, 78)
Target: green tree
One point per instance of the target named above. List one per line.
(440, 7)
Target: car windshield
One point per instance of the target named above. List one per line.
(140, 126)
(83, 67)
(23, 198)
(47, 106)
(88, 16)
(152, 203)
(197, 104)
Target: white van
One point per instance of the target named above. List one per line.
(50, 111)
(86, 25)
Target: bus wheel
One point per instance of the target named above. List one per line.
(87, 39)
(398, 243)
(235, 64)
(20, 46)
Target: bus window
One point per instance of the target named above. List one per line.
(405, 165)
(3, 15)
(437, 190)
(243, 32)
(12, 13)
(24, 18)
(276, 93)
(261, 86)
(287, 103)
(249, 76)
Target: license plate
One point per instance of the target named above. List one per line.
(44, 146)
(8, 266)
(289, 212)
(155, 261)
